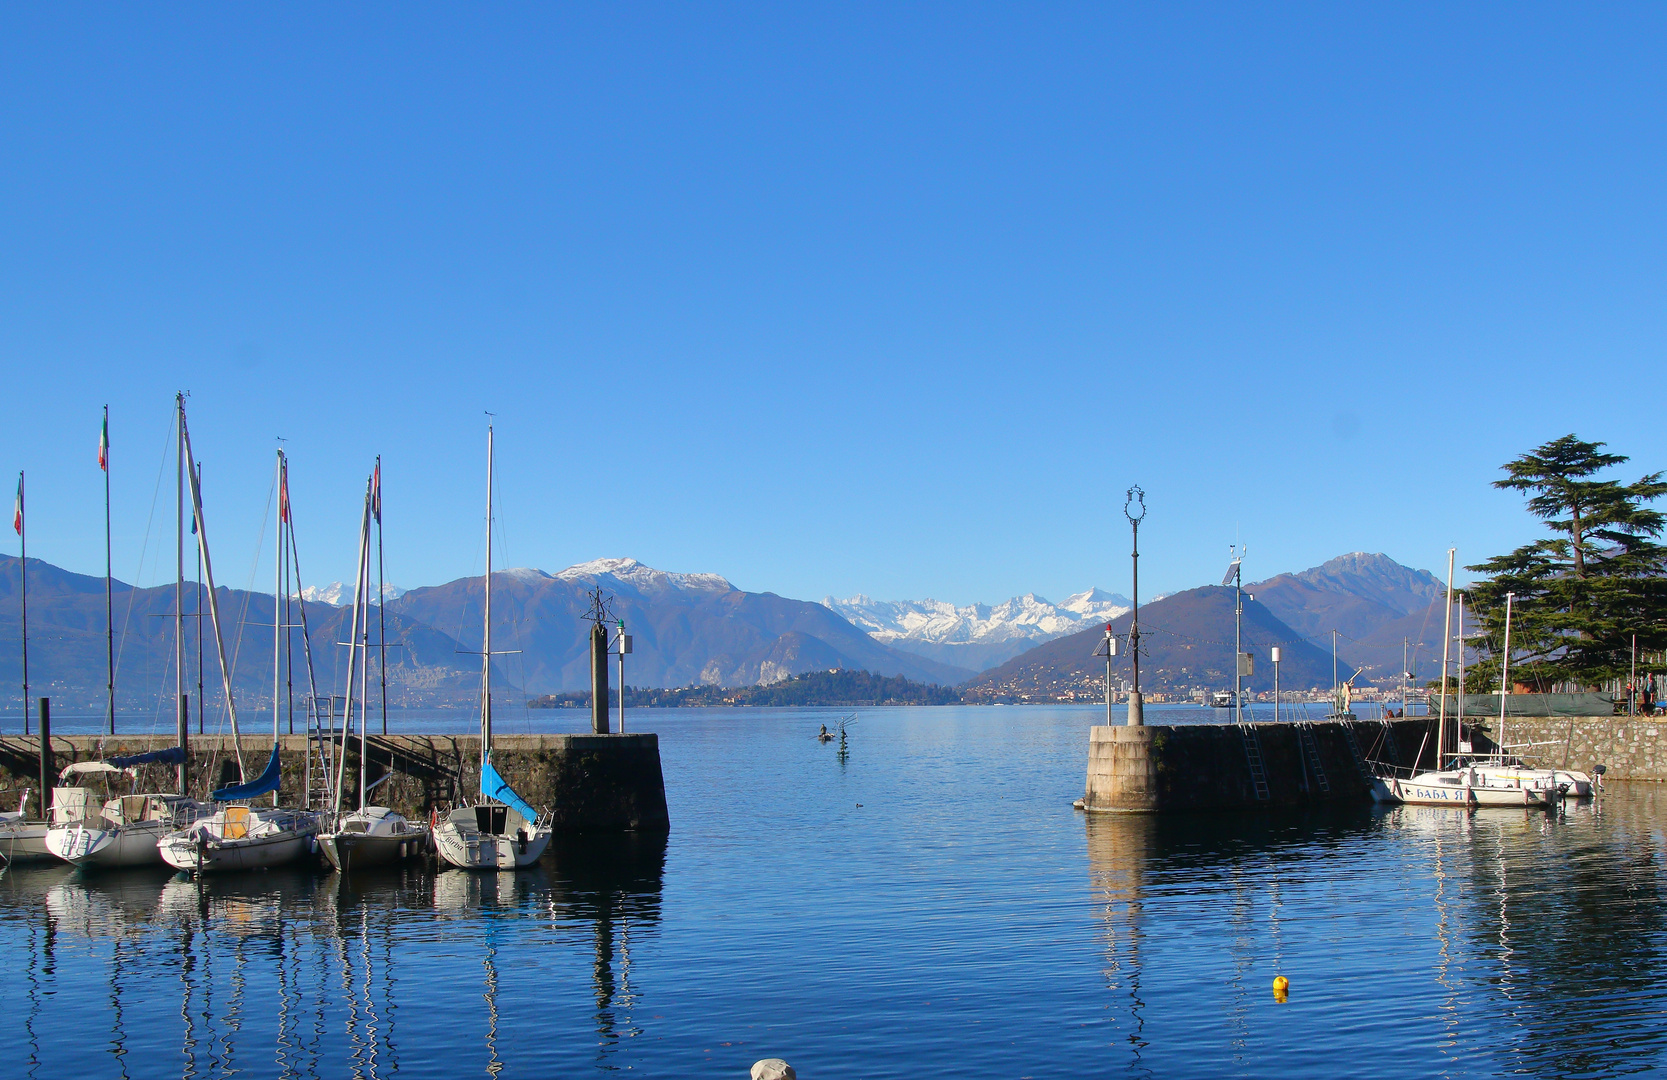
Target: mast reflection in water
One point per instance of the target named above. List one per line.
(293, 974)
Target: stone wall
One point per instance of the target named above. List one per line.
(1630, 747)
(591, 783)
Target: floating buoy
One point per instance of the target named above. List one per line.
(1281, 984)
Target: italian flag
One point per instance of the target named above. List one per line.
(104, 443)
(17, 514)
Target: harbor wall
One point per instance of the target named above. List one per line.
(591, 783)
(1208, 766)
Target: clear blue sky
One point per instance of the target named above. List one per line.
(895, 299)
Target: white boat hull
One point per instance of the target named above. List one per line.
(1436, 794)
(468, 849)
(25, 842)
(101, 844)
(240, 838)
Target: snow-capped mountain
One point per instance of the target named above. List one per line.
(978, 636)
(339, 593)
(644, 579)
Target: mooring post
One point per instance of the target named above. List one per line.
(599, 678)
(48, 773)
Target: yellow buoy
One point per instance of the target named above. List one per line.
(1281, 983)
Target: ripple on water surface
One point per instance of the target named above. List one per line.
(930, 906)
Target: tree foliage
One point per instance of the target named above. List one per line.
(1584, 591)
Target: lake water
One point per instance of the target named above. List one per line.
(929, 906)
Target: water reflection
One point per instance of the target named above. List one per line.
(1537, 939)
(296, 974)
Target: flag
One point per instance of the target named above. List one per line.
(283, 497)
(17, 514)
(376, 491)
(104, 443)
(197, 473)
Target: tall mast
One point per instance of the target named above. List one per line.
(359, 602)
(109, 605)
(1458, 721)
(213, 599)
(364, 676)
(277, 602)
(23, 592)
(1505, 670)
(179, 579)
(381, 598)
(486, 650)
(1446, 652)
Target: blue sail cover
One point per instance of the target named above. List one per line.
(260, 785)
(493, 786)
(174, 755)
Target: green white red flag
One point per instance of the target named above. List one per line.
(104, 443)
(17, 514)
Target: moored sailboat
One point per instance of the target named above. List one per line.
(240, 836)
(370, 835)
(501, 831)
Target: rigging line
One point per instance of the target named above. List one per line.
(249, 589)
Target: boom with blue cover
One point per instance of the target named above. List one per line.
(260, 785)
(493, 786)
(174, 755)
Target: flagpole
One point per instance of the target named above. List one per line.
(23, 593)
(109, 607)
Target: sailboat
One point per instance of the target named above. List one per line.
(241, 836)
(371, 835)
(501, 831)
(126, 831)
(1457, 780)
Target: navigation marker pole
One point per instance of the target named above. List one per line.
(1135, 497)
(1107, 649)
(624, 644)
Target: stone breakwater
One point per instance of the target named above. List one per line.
(1229, 766)
(590, 783)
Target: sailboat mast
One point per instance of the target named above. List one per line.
(277, 603)
(364, 673)
(486, 650)
(213, 600)
(1505, 670)
(1446, 652)
(381, 598)
(359, 600)
(109, 604)
(1458, 721)
(179, 581)
(23, 592)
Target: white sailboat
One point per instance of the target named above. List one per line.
(370, 835)
(127, 828)
(1459, 781)
(241, 836)
(501, 831)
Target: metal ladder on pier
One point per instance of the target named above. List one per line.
(1360, 765)
(1311, 754)
(1389, 747)
(1253, 755)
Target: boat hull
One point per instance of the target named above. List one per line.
(25, 842)
(358, 851)
(222, 856)
(1408, 791)
(110, 845)
(467, 849)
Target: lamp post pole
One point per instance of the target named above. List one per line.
(1134, 508)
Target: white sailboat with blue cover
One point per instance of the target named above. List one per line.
(501, 831)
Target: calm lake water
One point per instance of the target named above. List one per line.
(930, 906)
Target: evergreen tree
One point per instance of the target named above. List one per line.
(1582, 592)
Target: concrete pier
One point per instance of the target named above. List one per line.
(591, 783)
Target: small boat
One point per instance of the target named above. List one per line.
(501, 831)
(371, 835)
(127, 829)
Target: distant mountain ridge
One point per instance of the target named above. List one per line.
(1372, 601)
(976, 636)
(1186, 643)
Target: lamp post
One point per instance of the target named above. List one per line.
(1276, 684)
(1134, 508)
(1107, 649)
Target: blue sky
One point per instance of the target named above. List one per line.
(895, 299)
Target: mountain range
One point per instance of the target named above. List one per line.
(1186, 642)
(977, 636)
(699, 629)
